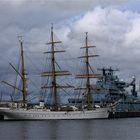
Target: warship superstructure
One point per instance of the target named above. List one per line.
(111, 90)
(122, 94)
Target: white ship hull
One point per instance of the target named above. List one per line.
(21, 114)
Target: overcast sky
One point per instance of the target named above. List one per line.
(113, 26)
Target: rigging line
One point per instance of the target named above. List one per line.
(32, 97)
(43, 81)
(1, 94)
(33, 52)
(64, 90)
(58, 65)
(90, 68)
(62, 46)
(48, 63)
(33, 43)
(44, 66)
(6, 73)
(18, 66)
(66, 59)
(49, 98)
(31, 94)
(82, 82)
(34, 75)
(37, 69)
(33, 83)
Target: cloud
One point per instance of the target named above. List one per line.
(31, 13)
(133, 36)
(116, 35)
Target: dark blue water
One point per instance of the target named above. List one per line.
(115, 129)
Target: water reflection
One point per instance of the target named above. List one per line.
(71, 129)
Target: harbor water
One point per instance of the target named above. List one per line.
(104, 129)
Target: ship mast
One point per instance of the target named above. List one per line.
(22, 76)
(88, 75)
(54, 73)
(24, 91)
(54, 89)
(88, 85)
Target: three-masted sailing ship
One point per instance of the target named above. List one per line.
(55, 110)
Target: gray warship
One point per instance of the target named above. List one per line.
(110, 89)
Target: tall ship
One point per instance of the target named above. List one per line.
(20, 110)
